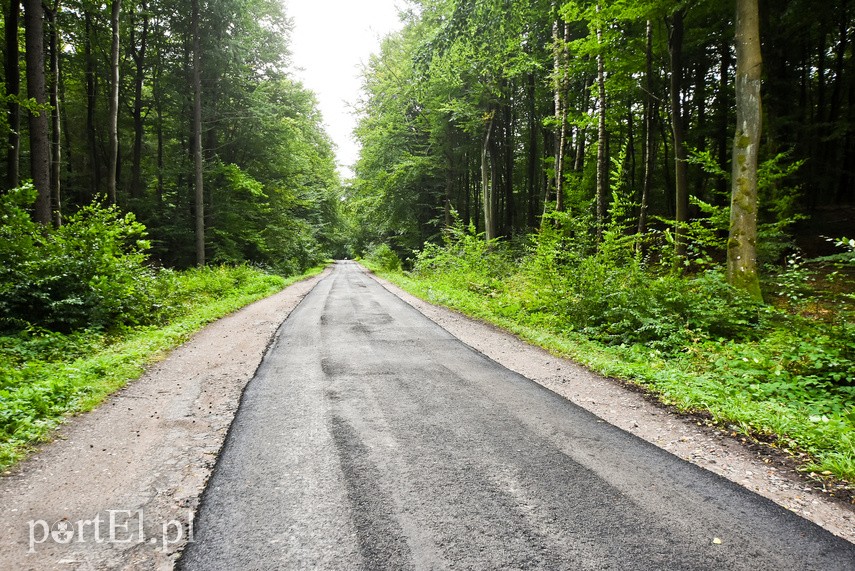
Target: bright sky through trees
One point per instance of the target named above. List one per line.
(331, 39)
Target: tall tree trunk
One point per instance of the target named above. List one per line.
(138, 53)
(467, 194)
(199, 189)
(559, 31)
(486, 187)
(449, 187)
(840, 59)
(649, 127)
(156, 88)
(63, 121)
(723, 114)
(699, 102)
(54, 45)
(91, 103)
(532, 157)
(681, 178)
(742, 241)
(602, 140)
(39, 128)
(113, 114)
(582, 133)
(508, 155)
(13, 89)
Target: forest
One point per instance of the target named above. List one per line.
(145, 138)
(660, 189)
(128, 102)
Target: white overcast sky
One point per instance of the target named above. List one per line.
(331, 40)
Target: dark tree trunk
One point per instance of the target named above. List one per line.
(681, 179)
(723, 114)
(649, 128)
(510, 203)
(113, 114)
(13, 89)
(36, 89)
(532, 156)
(54, 46)
(138, 53)
(199, 193)
(91, 104)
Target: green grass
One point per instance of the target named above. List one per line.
(772, 387)
(47, 376)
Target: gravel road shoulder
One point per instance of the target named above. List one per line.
(142, 458)
(630, 410)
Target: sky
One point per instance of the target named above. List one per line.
(331, 40)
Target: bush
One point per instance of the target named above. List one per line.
(384, 258)
(89, 273)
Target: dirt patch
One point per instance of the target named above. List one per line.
(118, 486)
(766, 472)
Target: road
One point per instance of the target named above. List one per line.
(370, 438)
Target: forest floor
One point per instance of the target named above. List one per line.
(144, 457)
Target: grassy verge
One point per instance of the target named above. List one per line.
(762, 387)
(46, 376)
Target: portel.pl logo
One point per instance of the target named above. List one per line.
(113, 526)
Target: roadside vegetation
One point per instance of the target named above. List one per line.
(780, 372)
(82, 312)
(596, 178)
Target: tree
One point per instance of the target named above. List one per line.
(138, 55)
(742, 240)
(13, 89)
(559, 39)
(198, 185)
(113, 113)
(681, 178)
(602, 132)
(54, 47)
(36, 89)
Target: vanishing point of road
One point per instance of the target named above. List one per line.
(370, 438)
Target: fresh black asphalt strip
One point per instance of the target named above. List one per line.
(372, 439)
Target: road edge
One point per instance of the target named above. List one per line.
(636, 413)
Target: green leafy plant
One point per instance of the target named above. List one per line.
(90, 272)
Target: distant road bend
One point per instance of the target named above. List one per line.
(372, 439)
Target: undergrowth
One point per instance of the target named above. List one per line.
(47, 375)
(768, 370)
(82, 312)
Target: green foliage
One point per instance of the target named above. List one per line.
(383, 258)
(45, 375)
(693, 339)
(91, 272)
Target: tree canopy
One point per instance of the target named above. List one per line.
(118, 78)
(618, 112)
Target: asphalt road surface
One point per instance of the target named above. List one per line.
(372, 439)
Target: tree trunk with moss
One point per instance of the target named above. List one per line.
(742, 241)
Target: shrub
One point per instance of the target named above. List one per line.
(91, 272)
(384, 258)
